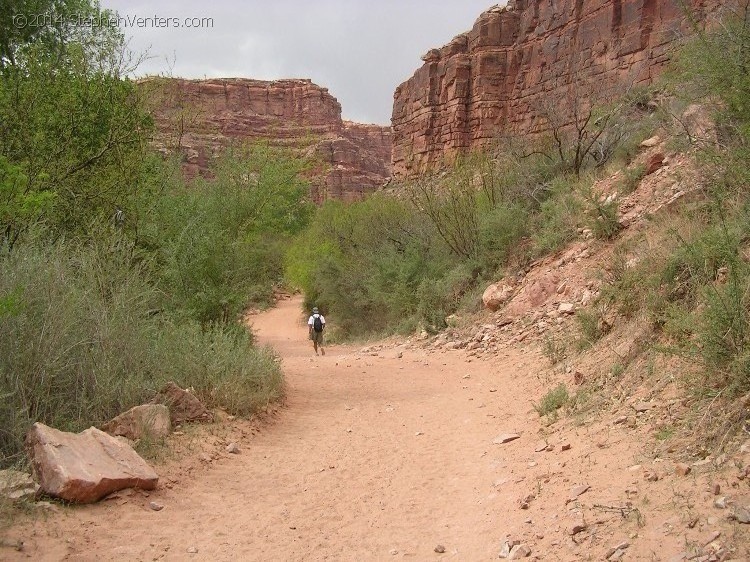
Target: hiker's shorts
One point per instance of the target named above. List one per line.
(317, 337)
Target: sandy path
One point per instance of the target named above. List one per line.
(374, 457)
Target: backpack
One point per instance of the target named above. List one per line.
(317, 323)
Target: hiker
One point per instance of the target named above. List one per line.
(316, 324)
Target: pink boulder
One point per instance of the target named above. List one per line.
(84, 467)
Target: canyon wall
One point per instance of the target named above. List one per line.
(199, 118)
(522, 60)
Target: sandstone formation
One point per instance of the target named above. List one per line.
(148, 420)
(183, 406)
(519, 61)
(87, 466)
(201, 117)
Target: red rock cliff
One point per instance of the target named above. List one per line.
(497, 77)
(201, 117)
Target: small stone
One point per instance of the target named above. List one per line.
(192, 550)
(156, 506)
(651, 142)
(578, 527)
(393, 552)
(440, 549)
(642, 407)
(621, 547)
(741, 514)
(505, 438)
(716, 488)
(505, 550)
(720, 502)
(566, 308)
(620, 420)
(519, 551)
(650, 475)
(711, 538)
(233, 448)
(565, 447)
(681, 469)
(576, 491)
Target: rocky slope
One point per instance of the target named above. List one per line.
(519, 62)
(200, 117)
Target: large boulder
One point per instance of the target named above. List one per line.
(148, 420)
(183, 406)
(496, 295)
(86, 466)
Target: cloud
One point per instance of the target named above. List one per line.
(359, 50)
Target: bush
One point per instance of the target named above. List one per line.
(82, 339)
(553, 400)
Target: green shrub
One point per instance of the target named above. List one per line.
(559, 217)
(86, 338)
(554, 349)
(553, 400)
(631, 179)
(592, 327)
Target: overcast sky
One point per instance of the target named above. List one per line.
(359, 49)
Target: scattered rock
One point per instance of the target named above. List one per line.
(496, 295)
(642, 407)
(192, 550)
(741, 514)
(566, 308)
(519, 551)
(715, 488)
(505, 438)
(650, 475)
(618, 551)
(233, 449)
(577, 491)
(651, 142)
(87, 466)
(721, 502)
(16, 485)
(148, 420)
(440, 549)
(682, 469)
(565, 447)
(183, 406)
(577, 527)
(156, 506)
(654, 163)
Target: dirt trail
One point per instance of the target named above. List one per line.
(379, 457)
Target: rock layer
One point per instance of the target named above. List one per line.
(520, 59)
(201, 117)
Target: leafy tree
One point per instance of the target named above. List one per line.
(73, 136)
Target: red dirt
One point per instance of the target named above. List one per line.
(381, 455)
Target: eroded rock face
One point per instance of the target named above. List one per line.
(84, 467)
(520, 60)
(201, 117)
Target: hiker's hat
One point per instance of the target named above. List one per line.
(315, 309)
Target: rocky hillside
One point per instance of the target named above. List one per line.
(200, 117)
(522, 60)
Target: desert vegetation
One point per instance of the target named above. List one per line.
(408, 258)
(116, 275)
